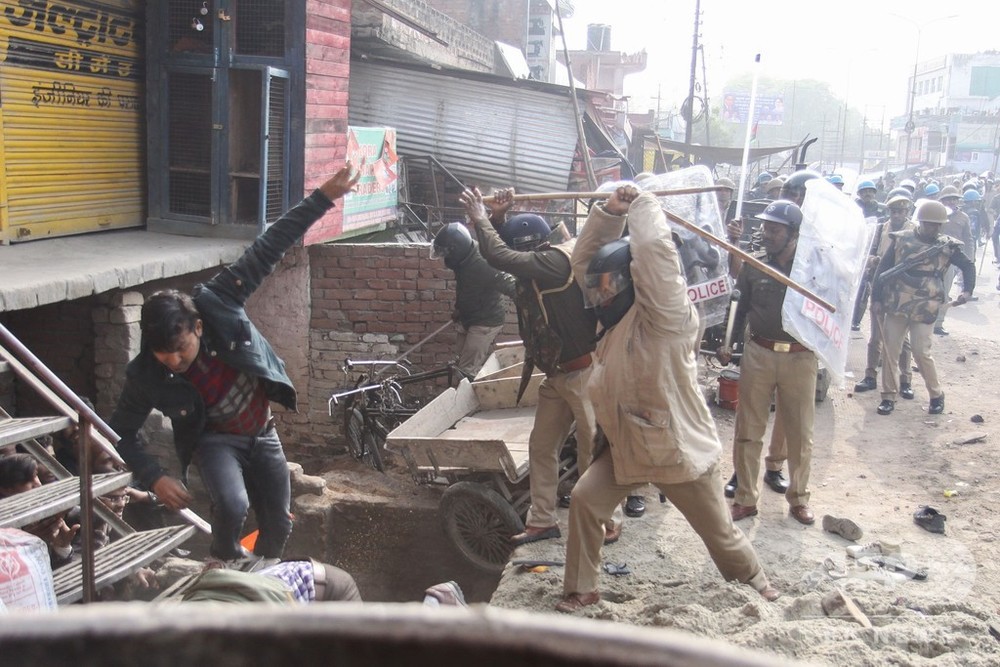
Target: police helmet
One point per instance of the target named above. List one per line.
(931, 189)
(835, 179)
(896, 198)
(972, 195)
(525, 231)
(900, 191)
(866, 185)
(608, 287)
(452, 244)
(782, 212)
(932, 211)
(948, 192)
(909, 185)
(725, 183)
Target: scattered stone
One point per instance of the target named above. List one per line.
(970, 439)
(960, 358)
(977, 419)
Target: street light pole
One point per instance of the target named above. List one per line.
(910, 125)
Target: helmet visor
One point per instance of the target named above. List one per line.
(559, 234)
(599, 288)
(439, 251)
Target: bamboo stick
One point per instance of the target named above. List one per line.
(542, 196)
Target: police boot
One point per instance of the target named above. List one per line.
(937, 405)
(730, 490)
(886, 407)
(905, 390)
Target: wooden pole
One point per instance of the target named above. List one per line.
(584, 149)
(750, 259)
(542, 196)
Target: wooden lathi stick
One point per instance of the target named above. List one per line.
(750, 259)
(542, 196)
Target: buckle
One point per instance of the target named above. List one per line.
(782, 347)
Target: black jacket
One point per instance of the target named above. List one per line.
(228, 334)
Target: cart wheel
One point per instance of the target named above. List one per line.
(479, 522)
(360, 440)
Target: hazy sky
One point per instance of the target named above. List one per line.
(863, 50)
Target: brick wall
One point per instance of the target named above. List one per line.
(328, 65)
(61, 336)
(372, 301)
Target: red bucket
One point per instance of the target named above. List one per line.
(728, 395)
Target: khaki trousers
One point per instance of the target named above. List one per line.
(895, 328)
(474, 346)
(949, 280)
(875, 345)
(562, 399)
(791, 377)
(597, 494)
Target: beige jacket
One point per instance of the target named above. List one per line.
(644, 382)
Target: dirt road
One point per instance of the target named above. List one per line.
(876, 470)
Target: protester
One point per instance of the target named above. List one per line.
(206, 367)
(655, 425)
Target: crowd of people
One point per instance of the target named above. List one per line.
(607, 319)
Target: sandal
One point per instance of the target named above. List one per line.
(574, 602)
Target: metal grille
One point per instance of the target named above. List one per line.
(190, 143)
(260, 28)
(276, 131)
(182, 26)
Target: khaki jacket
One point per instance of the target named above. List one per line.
(644, 383)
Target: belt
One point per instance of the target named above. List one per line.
(779, 345)
(581, 362)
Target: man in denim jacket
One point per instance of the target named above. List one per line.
(204, 365)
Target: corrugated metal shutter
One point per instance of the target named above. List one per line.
(488, 133)
(72, 117)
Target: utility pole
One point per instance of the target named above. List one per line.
(689, 117)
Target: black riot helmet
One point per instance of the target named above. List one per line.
(453, 244)
(525, 231)
(783, 212)
(794, 188)
(608, 285)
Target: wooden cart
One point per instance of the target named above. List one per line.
(473, 440)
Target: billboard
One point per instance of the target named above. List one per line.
(770, 109)
(375, 198)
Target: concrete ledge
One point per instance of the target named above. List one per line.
(52, 270)
(346, 633)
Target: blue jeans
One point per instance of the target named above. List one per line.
(240, 472)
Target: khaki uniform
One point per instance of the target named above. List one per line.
(558, 335)
(911, 302)
(648, 402)
(788, 373)
(876, 337)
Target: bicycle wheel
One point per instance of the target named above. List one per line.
(364, 444)
(480, 522)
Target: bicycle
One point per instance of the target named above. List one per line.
(374, 406)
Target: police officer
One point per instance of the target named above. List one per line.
(899, 206)
(870, 208)
(958, 227)
(479, 312)
(774, 363)
(559, 339)
(909, 292)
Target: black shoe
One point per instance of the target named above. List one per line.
(929, 519)
(937, 405)
(635, 506)
(564, 501)
(730, 490)
(886, 407)
(867, 384)
(906, 391)
(775, 480)
(855, 327)
(940, 331)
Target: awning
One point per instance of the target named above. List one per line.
(716, 154)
